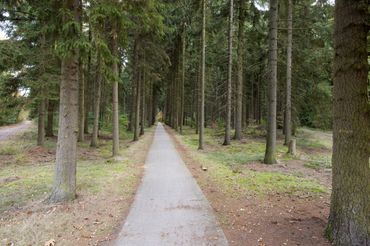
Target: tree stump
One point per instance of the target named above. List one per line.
(292, 147)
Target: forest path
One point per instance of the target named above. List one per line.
(169, 207)
(7, 132)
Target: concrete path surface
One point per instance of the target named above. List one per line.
(169, 207)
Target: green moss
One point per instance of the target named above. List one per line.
(310, 143)
(265, 182)
(9, 149)
(319, 162)
(225, 166)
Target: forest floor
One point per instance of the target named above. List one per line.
(105, 188)
(256, 204)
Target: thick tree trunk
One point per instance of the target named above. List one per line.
(271, 126)
(288, 105)
(240, 68)
(41, 123)
(115, 109)
(229, 77)
(98, 82)
(64, 187)
(50, 123)
(202, 80)
(349, 220)
(81, 104)
(66, 155)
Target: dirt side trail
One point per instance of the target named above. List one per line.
(7, 132)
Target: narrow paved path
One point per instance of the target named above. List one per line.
(7, 132)
(169, 207)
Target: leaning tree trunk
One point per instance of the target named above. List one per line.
(64, 187)
(229, 77)
(271, 126)
(81, 104)
(349, 220)
(41, 122)
(240, 66)
(288, 105)
(98, 82)
(202, 79)
(115, 117)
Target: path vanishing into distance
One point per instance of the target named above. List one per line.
(7, 132)
(169, 207)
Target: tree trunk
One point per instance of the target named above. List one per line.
(41, 123)
(81, 104)
(202, 80)
(137, 100)
(229, 77)
(182, 96)
(349, 220)
(64, 187)
(240, 66)
(115, 116)
(95, 132)
(288, 105)
(50, 123)
(88, 88)
(271, 126)
(142, 125)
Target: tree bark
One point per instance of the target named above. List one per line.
(202, 80)
(240, 68)
(271, 126)
(95, 131)
(229, 77)
(64, 187)
(349, 219)
(182, 89)
(41, 123)
(137, 98)
(288, 105)
(50, 122)
(81, 104)
(115, 109)
(142, 118)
